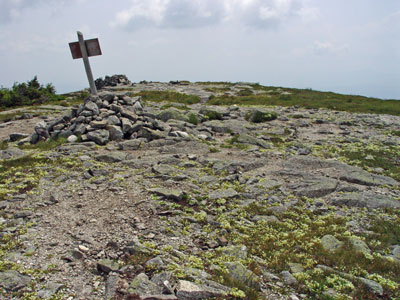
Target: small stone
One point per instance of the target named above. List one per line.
(359, 245)
(77, 254)
(296, 268)
(288, 278)
(107, 266)
(83, 248)
(72, 139)
(330, 243)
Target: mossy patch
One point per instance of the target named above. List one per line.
(257, 116)
(311, 99)
(168, 96)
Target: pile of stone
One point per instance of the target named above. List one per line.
(115, 80)
(103, 118)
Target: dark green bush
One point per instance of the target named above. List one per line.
(193, 119)
(210, 114)
(29, 93)
(256, 116)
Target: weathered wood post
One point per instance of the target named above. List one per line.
(83, 49)
(85, 58)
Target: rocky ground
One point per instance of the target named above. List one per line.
(172, 201)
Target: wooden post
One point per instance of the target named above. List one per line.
(85, 58)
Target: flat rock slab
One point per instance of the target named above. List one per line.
(11, 153)
(13, 281)
(172, 194)
(314, 188)
(112, 157)
(359, 176)
(336, 169)
(225, 194)
(187, 290)
(365, 199)
(248, 139)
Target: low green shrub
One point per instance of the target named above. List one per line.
(256, 116)
(193, 119)
(29, 93)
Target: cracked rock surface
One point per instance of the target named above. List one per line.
(150, 206)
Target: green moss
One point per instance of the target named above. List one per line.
(45, 145)
(3, 145)
(211, 114)
(311, 99)
(214, 150)
(168, 96)
(367, 156)
(386, 230)
(245, 92)
(257, 116)
(193, 119)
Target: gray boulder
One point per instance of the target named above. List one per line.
(141, 285)
(239, 273)
(13, 281)
(330, 243)
(91, 106)
(100, 137)
(116, 133)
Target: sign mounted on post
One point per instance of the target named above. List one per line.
(92, 48)
(83, 49)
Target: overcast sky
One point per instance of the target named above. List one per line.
(347, 46)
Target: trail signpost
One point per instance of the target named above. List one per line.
(84, 49)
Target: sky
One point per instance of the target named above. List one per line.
(345, 46)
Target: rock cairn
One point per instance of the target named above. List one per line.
(110, 116)
(103, 118)
(114, 80)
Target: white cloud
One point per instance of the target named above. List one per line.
(12, 9)
(309, 14)
(323, 48)
(198, 13)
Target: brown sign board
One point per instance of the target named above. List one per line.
(92, 48)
